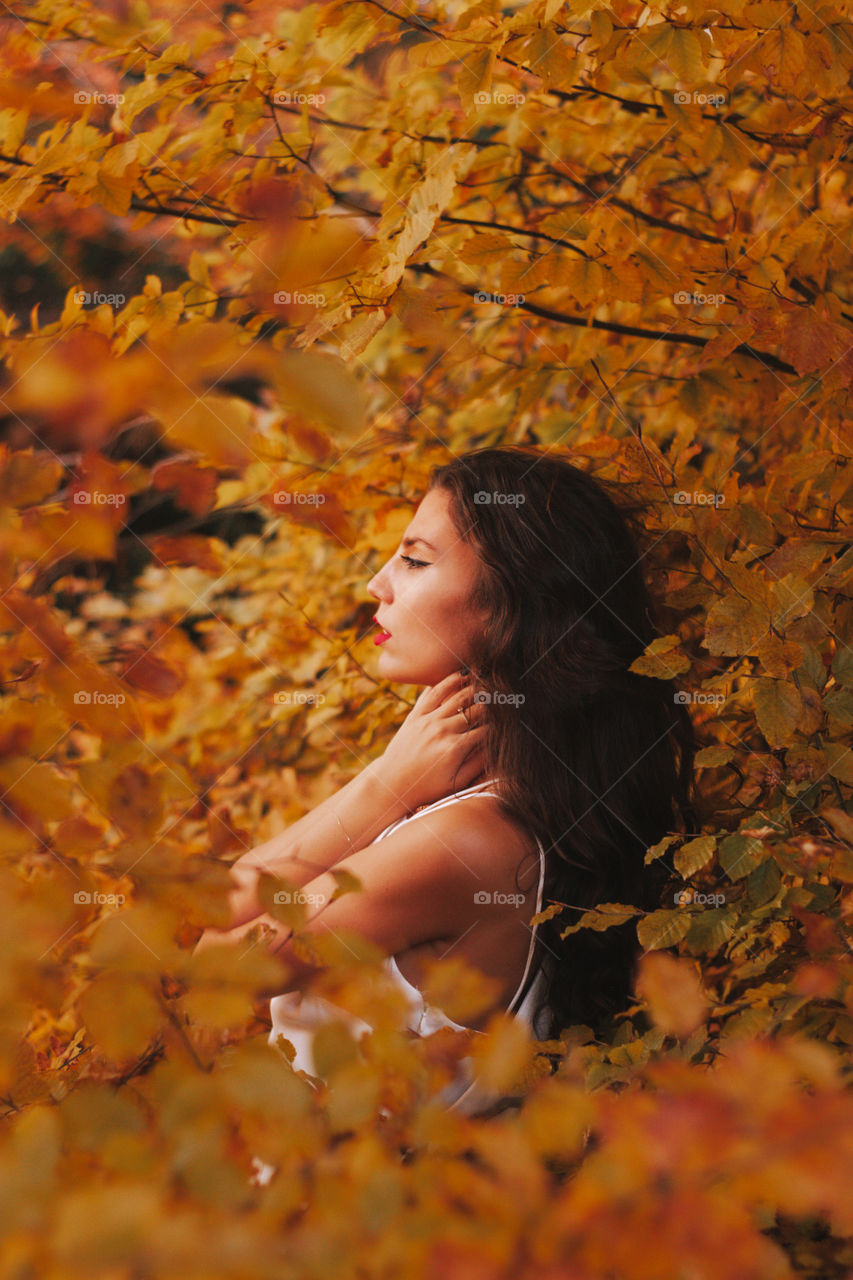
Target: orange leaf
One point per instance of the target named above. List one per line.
(671, 989)
(188, 549)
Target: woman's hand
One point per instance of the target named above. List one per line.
(230, 937)
(438, 747)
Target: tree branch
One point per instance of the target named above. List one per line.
(611, 326)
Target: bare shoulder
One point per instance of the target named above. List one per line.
(484, 838)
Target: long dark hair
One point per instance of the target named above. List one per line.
(596, 760)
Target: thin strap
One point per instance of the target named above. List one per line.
(457, 795)
(436, 804)
(540, 889)
(532, 946)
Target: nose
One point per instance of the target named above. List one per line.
(376, 586)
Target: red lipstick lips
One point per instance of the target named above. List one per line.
(383, 635)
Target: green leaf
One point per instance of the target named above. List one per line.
(839, 761)
(764, 883)
(663, 929)
(842, 665)
(838, 703)
(739, 855)
(694, 855)
(710, 929)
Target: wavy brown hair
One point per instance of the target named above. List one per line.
(596, 760)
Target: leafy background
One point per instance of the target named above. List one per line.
(253, 250)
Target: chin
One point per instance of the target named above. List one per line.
(402, 672)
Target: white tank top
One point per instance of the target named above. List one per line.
(296, 1016)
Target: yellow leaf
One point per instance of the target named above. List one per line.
(778, 707)
(735, 625)
(685, 55)
(121, 1015)
(474, 78)
(429, 199)
(27, 477)
(672, 990)
(839, 761)
(323, 390)
(660, 661)
(584, 278)
(694, 855)
(502, 1056)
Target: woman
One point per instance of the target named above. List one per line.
(548, 771)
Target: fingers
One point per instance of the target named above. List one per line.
(471, 707)
(444, 696)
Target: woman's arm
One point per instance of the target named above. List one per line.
(350, 819)
(428, 756)
(423, 882)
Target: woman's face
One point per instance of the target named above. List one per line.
(425, 605)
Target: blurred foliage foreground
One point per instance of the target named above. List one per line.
(262, 266)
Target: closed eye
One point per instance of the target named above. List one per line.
(414, 564)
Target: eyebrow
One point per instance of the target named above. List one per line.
(408, 542)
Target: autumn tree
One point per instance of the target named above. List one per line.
(263, 266)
